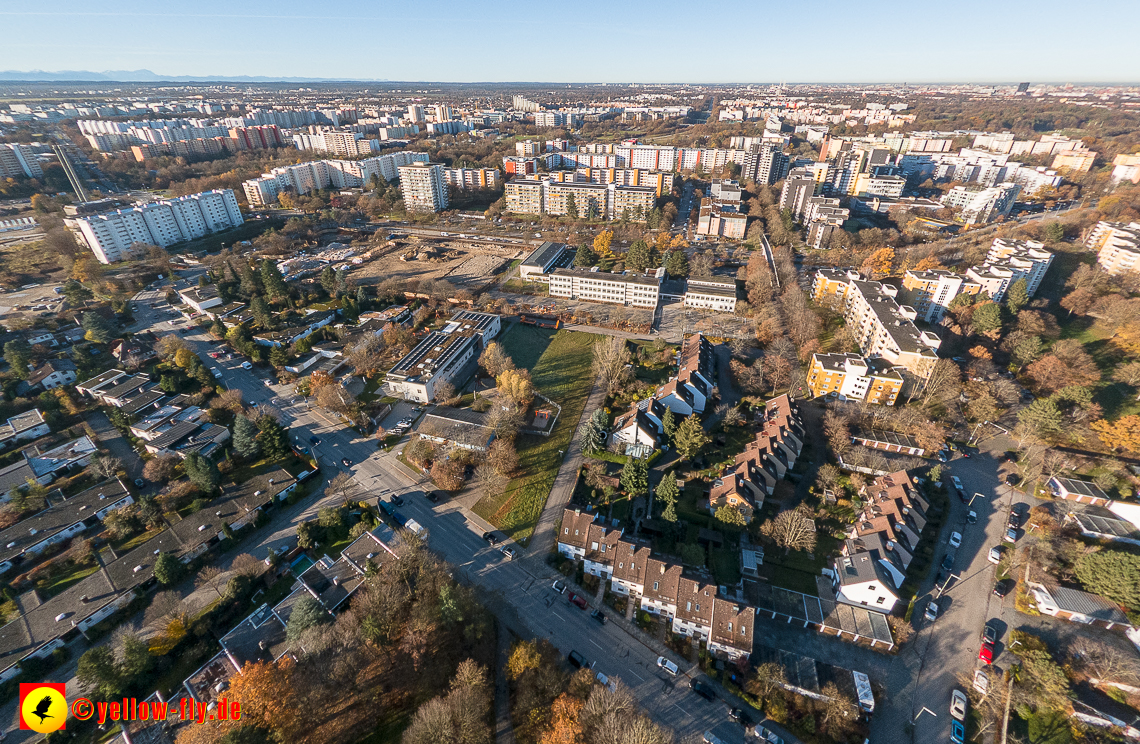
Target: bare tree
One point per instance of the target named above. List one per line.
(611, 363)
(342, 486)
(793, 529)
(1103, 662)
(495, 360)
(246, 565)
(492, 481)
(105, 466)
(209, 576)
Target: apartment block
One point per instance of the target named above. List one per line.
(661, 183)
(423, 187)
(690, 604)
(1027, 256)
(931, 292)
(1124, 168)
(600, 286)
(304, 178)
(524, 196)
(853, 377)
(764, 164)
(799, 187)
(112, 236)
(981, 205)
(552, 195)
(883, 328)
(1117, 245)
(473, 178)
(520, 165)
(708, 293)
(721, 220)
(447, 355)
(1074, 161)
(19, 160)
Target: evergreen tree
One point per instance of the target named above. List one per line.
(592, 437)
(18, 354)
(571, 207)
(328, 280)
(76, 293)
(273, 438)
(274, 283)
(585, 257)
(635, 477)
(249, 281)
(306, 614)
(168, 384)
(342, 281)
(218, 329)
(245, 437)
(669, 424)
(279, 356)
(667, 492)
(261, 313)
(639, 257)
(202, 472)
(97, 328)
(690, 437)
(1017, 296)
(168, 569)
(677, 264)
(361, 300)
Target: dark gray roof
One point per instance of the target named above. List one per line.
(886, 437)
(1074, 600)
(1080, 487)
(542, 256)
(58, 517)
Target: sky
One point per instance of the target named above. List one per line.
(721, 41)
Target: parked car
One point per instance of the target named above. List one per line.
(491, 538)
(396, 500)
(986, 653)
(995, 554)
(972, 517)
(958, 705)
(948, 562)
(931, 613)
(578, 601)
(508, 552)
(217, 373)
(1011, 535)
(346, 462)
(557, 586)
(668, 666)
(1003, 588)
(432, 496)
(1014, 520)
(605, 681)
(597, 615)
(955, 539)
(246, 365)
(957, 732)
(957, 483)
(981, 681)
(315, 440)
(140, 482)
(704, 689)
(1012, 479)
(989, 635)
(577, 660)
(741, 716)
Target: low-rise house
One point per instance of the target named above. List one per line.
(41, 337)
(1077, 606)
(660, 594)
(135, 351)
(889, 441)
(294, 333)
(862, 579)
(24, 427)
(575, 534)
(639, 431)
(1102, 524)
(144, 402)
(43, 467)
(184, 437)
(601, 547)
(100, 383)
(1083, 492)
(53, 374)
(201, 298)
(460, 427)
(125, 389)
(694, 615)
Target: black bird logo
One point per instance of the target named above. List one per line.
(42, 709)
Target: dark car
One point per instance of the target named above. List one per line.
(432, 496)
(397, 500)
(314, 440)
(989, 635)
(577, 660)
(948, 562)
(1002, 588)
(578, 601)
(490, 538)
(1012, 479)
(741, 716)
(703, 689)
(346, 462)
(597, 615)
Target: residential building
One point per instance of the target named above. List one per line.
(524, 196)
(852, 377)
(600, 286)
(1126, 168)
(1077, 606)
(1071, 489)
(725, 191)
(638, 433)
(520, 165)
(981, 205)
(1074, 161)
(114, 236)
(304, 178)
(472, 178)
(882, 327)
(721, 220)
(51, 374)
(764, 164)
(18, 160)
(447, 355)
(1117, 246)
(1026, 256)
(423, 187)
(201, 298)
(23, 427)
(554, 193)
(43, 467)
(799, 186)
(930, 292)
(710, 293)
(458, 427)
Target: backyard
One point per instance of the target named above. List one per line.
(560, 363)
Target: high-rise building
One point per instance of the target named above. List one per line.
(764, 164)
(415, 113)
(19, 160)
(519, 103)
(472, 178)
(1117, 246)
(981, 205)
(799, 186)
(303, 178)
(423, 187)
(112, 236)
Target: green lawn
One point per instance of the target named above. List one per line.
(560, 364)
(1116, 398)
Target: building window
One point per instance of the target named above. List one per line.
(655, 586)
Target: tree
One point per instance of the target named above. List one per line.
(1079, 301)
(307, 613)
(161, 469)
(611, 363)
(1124, 433)
(1017, 296)
(585, 257)
(690, 437)
(879, 263)
(703, 263)
(447, 474)
(635, 477)
(516, 386)
(571, 207)
(668, 424)
(272, 280)
(495, 360)
(272, 437)
(1054, 232)
(168, 569)
(270, 696)
(77, 295)
(342, 486)
(792, 529)
(668, 493)
(169, 346)
(987, 317)
(602, 243)
(565, 726)
(639, 257)
(98, 329)
(839, 713)
(1027, 350)
(503, 456)
(492, 481)
(209, 577)
(730, 515)
(1042, 417)
(524, 657)
(777, 370)
(105, 466)
(260, 310)
(202, 472)
(593, 436)
(677, 265)
(18, 354)
(767, 678)
(98, 673)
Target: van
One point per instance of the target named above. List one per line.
(669, 667)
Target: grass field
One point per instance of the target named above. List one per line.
(560, 365)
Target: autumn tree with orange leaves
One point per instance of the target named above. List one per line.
(565, 728)
(1124, 433)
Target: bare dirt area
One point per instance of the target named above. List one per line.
(459, 262)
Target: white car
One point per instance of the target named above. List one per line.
(667, 665)
(958, 705)
(981, 681)
(246, 365)
(606, 682)
(931, 613)
(995, 554)
(955, 539)
(957, 483)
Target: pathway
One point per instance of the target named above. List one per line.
(504, 730)
(543, 540)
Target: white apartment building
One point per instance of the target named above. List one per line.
(982, 205)
(447, 355)
(711, 294)
(111, 235)
(423, 187)
(1026, 256)
(550, 196)
(304, 178)
(19, 160)
(1117, 246)
(601, 286)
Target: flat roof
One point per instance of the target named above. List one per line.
(544, 255)
(608, 276)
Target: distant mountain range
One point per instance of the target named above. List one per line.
(146, 76)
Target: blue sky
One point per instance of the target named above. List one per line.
(587, 41)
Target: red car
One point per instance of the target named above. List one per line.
(577, 601)
(986, 653)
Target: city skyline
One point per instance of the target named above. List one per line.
(863, 45)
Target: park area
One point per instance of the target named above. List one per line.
(560, 363)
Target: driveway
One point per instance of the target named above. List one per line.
(114, 442)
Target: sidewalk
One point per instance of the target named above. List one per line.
(542, 542)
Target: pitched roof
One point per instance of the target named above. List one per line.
(733, 625)
(576, 527)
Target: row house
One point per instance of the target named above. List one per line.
(881, 543)
(688, 603)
